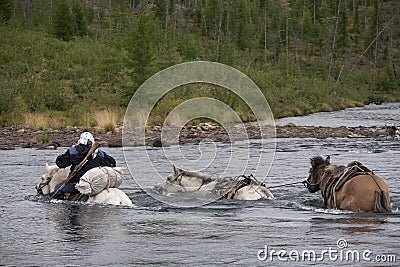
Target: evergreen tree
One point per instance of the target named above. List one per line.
(211, 12)
(374, 20)
(342, 38)
(63, 21)
(80, 19)
(5, 10)
(356, 24)
(141, 43)
(244, 28)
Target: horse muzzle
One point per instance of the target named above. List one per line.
(39, 188)
(311, 188)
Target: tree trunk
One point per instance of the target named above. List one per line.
(295, 44)
(132, 9)
(391, 52)
(278, 25)
(287, 45)
(302, 19)
(98, 22)
(365, 21)
(166, 24)
(334, 41)
(27, 10)
(219, 32)
(187, 18)
(227, 18)
(51, 12)
(204, 21)
(265, 33)
(110, 16)
(176, 20)
(314, 9)
(376, 59)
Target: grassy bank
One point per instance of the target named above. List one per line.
(87, 79)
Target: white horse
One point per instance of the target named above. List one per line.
(55, 175)
(240, 188)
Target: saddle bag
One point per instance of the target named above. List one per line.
(97, 179)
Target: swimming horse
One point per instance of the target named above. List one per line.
(240, 188)
(392, 131)
(54, 175)
(353, 187)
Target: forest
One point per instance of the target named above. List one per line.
(79, 62)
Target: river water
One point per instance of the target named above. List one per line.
(39, 232)
(370, 115)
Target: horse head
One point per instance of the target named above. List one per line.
(50, 179)
(187, 178)
(317, 172)
(175, 175)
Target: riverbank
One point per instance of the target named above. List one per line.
(29, 137)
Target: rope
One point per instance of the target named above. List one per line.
(276, 186)
(251, 177)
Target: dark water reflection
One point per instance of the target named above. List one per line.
(36, 231)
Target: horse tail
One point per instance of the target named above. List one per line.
(381, 203)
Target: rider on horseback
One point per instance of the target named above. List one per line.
(73, 156)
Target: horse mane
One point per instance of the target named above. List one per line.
(331, 168)
(53, 169)
(318, 160)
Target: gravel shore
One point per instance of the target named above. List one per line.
(27, 137)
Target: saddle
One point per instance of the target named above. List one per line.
(354, 169)
(339, 177)
(247, 180)
(242, 183)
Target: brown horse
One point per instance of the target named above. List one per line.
(353, 187)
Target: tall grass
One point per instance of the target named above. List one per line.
(106, 119)
(41, 120)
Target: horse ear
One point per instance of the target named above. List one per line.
(312, 162)
(328, 160)
(176, 172)
(47, 167)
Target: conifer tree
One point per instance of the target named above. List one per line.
(141, 45)
(342, 38)
(356, 24)
(80, 19)
(63, 22)
(5, 10)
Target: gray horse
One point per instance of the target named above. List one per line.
(240, 188)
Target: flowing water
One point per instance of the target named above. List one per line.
(291, 228)
(370, 115)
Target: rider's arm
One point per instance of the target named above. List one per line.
(64, 160)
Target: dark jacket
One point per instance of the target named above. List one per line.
(75, 154)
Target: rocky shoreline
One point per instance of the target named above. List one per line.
(27, 137)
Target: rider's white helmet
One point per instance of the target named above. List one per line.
(85, 138)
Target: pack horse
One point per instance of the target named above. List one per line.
(108, 193)
(239, 188)
(353, 187)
